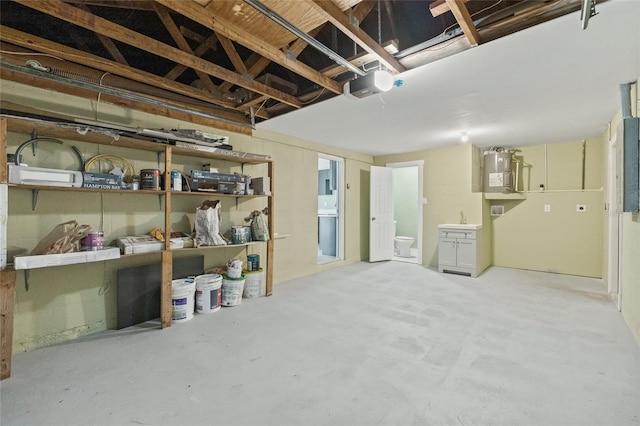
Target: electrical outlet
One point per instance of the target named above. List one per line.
(581, 208)
(547, 208)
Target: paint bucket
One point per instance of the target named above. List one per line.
(176, 180)
(234, 268)
(208, 293)
(150, 179)
(241, 234)
(93, 241)
(182, 299)
(232, 290)
(253, 284)
(253, 262)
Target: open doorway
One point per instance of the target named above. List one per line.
(408, 219)
(330, 208)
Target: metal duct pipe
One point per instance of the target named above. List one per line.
(260, 7)
(625, 96)
(115, 92)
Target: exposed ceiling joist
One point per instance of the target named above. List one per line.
(208, 43)
(360, 59)
(341, 21)
(86, 20)
(236, 33)
(463, 17)
(438, 7)
(109, 44)
(182, 43)
(18, 38)
(232, 53)
(172, 45)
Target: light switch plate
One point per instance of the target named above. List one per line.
(547, 208)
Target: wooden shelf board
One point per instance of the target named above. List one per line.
(48, 260)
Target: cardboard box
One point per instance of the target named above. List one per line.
(134, 244)
(139, 244)
(101, 181)
(223, 183)
(261, 185)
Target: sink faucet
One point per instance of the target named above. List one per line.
(463, 219)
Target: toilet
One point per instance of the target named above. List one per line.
(402, 246)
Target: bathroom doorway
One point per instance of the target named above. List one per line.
(408, 213)
(330, 210)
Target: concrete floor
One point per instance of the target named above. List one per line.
(367, 344)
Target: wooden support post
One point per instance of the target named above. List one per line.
(270, 243)
(165, 289)
(7, 304)
(167, 255)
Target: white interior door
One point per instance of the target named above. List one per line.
(381, 214)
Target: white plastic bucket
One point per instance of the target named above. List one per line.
(234, 268)
(253, 283)
(182, 299)
(208, 293)
(232, 290)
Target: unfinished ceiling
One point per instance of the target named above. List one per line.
(233, 63)
(548, 84)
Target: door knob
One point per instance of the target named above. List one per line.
(373, 218)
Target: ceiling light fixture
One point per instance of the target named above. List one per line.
(464, 137)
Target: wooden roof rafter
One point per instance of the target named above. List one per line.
(94, 23)
(182, 43)
(27, 41)
(461, 14)
(108, 43)
(206, 17)
(355, 33)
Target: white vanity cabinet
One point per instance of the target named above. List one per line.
(458, 247)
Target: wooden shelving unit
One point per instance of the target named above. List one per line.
(55, 130)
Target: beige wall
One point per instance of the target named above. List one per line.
(562, 240)
(447, 184)
(630, 256)
(65, 302)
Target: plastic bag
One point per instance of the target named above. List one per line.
(207, 224)
(64, 238)
(259, 225)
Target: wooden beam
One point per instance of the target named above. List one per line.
(208, 43)
(177, 36)
(94, 23)
(533, 14)
(233, 55)
(108, 43)
(254, 60)
(362, 9)
(388, 6)
(439, 7)
(236, 33)
(358, 60)
(341, 21)
(30, 42)
(7, 305)
(465, 21)
(256, 64)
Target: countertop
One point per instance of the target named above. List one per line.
(470, 226)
